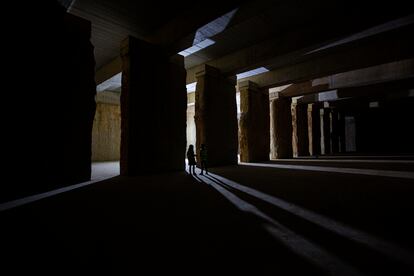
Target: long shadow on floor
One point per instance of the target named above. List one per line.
(167, 223)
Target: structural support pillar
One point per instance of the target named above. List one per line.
(334, 131)
(153, 109)
(281, 128)
(314, 129)
(341, 132)
(216, 116)
(325, 131)
(254, 123)
(300, 129)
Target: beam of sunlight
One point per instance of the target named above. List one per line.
(197, 47)
(386, 248)
(111, 84)
(298, 244)
(332, 160)
(215, 27)
(26, 200)
(397, 174)
(251, 73)
(100, 171)
(388, 26)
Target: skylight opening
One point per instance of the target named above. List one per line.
(251, 73)
(191, 87)
(197, 47)
(112, 84)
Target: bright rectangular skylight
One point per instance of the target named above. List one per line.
(112, 83)
(252, 73)
(328, 96)
(191, 87)
(197, 47)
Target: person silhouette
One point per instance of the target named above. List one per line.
(191, 159)
(203, 158)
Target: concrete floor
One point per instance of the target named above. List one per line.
(310, 218)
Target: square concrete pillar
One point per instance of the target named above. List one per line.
(300, 129)
(153, 109)
(254, 123)
(48, 134)
(216, 116)
(334, 121)
(281, 128)
(341, 132)
(350, 134)
(325, 130)
(314, 129)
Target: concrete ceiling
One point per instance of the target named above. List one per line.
(296, 24)
(269, 29)
(153, 21)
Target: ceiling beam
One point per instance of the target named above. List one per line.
(393, 71)
(295, 45)
(383, 48)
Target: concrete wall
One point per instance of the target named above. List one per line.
(106, 132)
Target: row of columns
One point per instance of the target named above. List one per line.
(305, 129)
(154, 136)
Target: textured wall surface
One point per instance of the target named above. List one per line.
(106, 132)
(191, 128)
(254, 124)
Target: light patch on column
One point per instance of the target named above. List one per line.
(251, 73)
(238, 104)
(295, 99)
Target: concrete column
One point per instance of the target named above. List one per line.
(334, 121)
(300, 129)
(216, 116)
(106, 132)
(254, 137)
(325, 130)
(350, 135)
(280, 128)
(314, 129)
(341, 132)
(78, 109)
(48, 133)
(153, 109)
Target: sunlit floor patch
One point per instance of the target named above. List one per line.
(295, 242)
(386, 248)
(397, 174)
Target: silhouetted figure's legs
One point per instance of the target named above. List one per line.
(203, 167)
